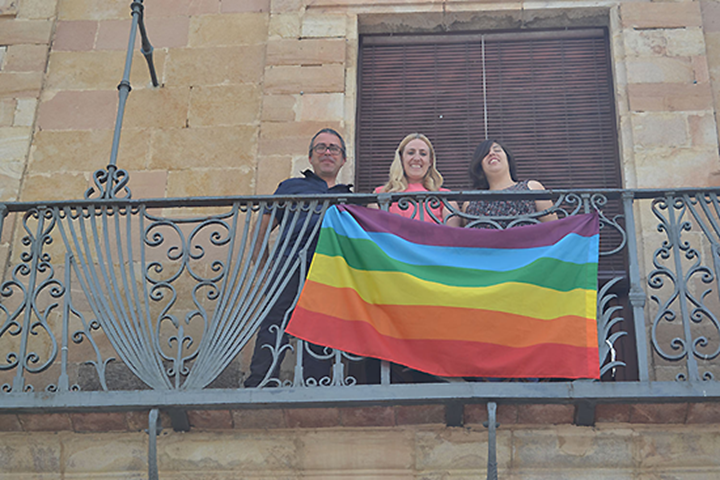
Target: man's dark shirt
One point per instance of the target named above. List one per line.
(309, 185)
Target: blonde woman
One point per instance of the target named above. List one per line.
(413, 170)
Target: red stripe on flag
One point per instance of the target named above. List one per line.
(447, 357)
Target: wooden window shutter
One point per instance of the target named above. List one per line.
(546, 94)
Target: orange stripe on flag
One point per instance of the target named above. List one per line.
(412, 322)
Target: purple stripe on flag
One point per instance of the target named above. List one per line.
(425, 233)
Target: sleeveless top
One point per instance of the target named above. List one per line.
(408, 213)
(503, 208)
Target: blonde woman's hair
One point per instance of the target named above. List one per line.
(398, 181)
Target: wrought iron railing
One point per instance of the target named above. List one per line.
(109, 296)
(147, 304)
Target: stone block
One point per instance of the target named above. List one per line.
(157, 108)
(284, 25)
(45, 422)
(283, 6)
(98, 421)
(9, 423)
(35, 454)
(700, 68)
(215, 66)
(457, 450)
(210, 419)
(224, 105)
(171, 8)
(658, 413)
(20, 84)
(662, 449)
(703, 413)
(312, 417)
(14, 143)
(54, 150)
(26, 58)
(338, 450)
(228, 29)
(305, 52)
(659, 70)
(573, 447)
(475, 413)
(81, 110)
(546, 414)
(367, 417)
(105, 452)
(685, 41)
(710, 11)
(321, 107)
(641, 15)
(93, 9)
(25, 113)
(96, 70)
(203, 147)
(164, 32)
(612, 413)
(236, 453)
(278, 108)
(324, 25)
(648, 97)
(419, 414)
(667, 167)
(37, 9)
(7, 111)
(259, 419)
(305, 79)
(294, 140)
(75, 35)
(148, 184)
(9, 190)
(270, 172)
(220, 182)
(659, 130)
(243, 6)
(58, 186)
(14, 32)
(703, 129)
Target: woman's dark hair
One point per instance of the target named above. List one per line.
(476, 171)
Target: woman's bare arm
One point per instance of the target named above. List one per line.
(541, 205)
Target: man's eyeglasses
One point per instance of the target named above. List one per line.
(321, 148)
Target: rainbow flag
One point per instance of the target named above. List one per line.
(452, 301)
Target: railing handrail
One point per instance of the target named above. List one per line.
(356, 198)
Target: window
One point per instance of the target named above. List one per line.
(547, 95)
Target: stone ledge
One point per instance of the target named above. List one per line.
(372, 416)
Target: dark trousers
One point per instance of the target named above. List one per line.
(262, 358)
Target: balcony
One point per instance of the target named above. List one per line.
(135, 304)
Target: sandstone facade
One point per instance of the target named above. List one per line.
(245, 83)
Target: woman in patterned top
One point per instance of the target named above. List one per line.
(493, 168)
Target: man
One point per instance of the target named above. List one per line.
(327, 156)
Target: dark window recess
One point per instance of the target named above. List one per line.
(547, 95)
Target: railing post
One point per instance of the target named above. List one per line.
(492, 468)
(637, 294)
(153, 431)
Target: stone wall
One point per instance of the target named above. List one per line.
(428, 452)
(245, 83)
